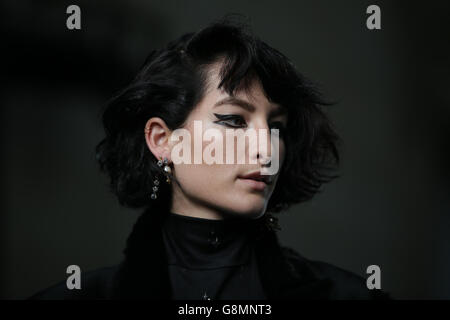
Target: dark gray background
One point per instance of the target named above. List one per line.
(390, 207)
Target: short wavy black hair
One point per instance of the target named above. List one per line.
(172, 81)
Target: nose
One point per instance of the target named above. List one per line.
(265, 161)
(261, 150)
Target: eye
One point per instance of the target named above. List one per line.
(230, 120)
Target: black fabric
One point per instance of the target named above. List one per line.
(282, 272)
(211, 259)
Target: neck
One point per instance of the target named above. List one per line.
(183, 206)
(195, 211)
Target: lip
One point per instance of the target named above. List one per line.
(255, 184)
(256, 180)
(256, 175)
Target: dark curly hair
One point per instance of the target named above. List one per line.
(172, 81)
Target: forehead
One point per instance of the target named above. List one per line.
(252, 98)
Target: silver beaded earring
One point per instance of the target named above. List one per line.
(153, 196)
(167, 171)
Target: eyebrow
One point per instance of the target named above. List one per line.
(248, 106)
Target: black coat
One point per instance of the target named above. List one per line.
(143, 274)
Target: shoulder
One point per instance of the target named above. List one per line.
(95, 284)
(343, 283)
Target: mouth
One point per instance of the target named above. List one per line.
(256, 181)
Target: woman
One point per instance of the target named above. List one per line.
(208, 230)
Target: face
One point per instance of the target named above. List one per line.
(221, 189)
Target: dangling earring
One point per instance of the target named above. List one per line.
(153, 196)
(167, 170)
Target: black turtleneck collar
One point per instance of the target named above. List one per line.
(145, 274)
(199, 243)
(209, 259)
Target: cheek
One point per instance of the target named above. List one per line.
(205, 181)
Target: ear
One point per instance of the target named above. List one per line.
(157, 136)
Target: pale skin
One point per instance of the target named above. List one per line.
(216, 191)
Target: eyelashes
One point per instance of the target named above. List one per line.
(230, 120)
(237, 121)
